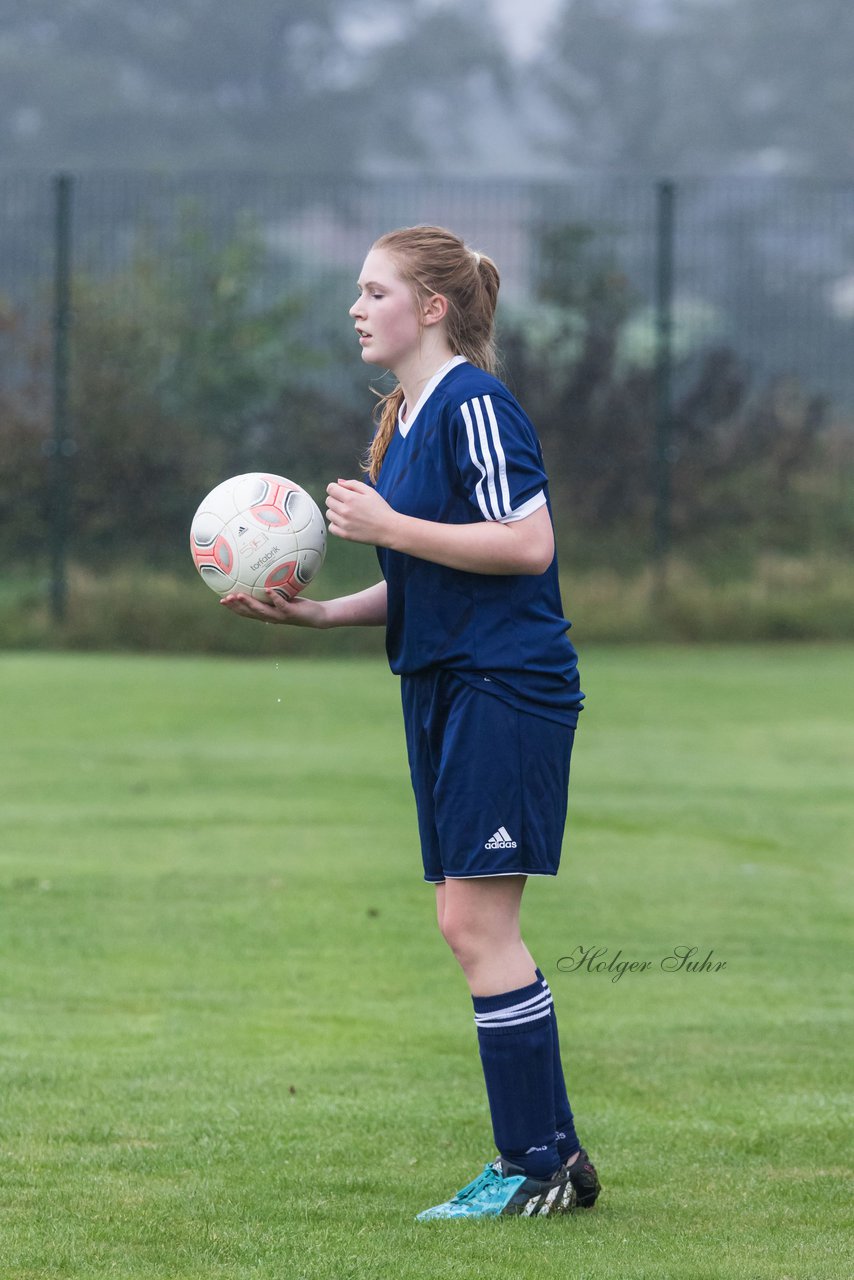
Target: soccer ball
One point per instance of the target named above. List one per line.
(258, 533)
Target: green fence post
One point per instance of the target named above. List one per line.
(62, 445)
(665, 254)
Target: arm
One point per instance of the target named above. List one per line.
(363, 609)
(357, 512)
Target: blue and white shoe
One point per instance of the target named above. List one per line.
(504, 1188)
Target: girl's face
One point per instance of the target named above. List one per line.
(386, 313)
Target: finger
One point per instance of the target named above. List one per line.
(234, 602)
(354, 485)
(248, 606)
(239, 610)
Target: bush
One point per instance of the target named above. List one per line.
(740, 452)
(134, 607)
(184, 372)
(182, 375)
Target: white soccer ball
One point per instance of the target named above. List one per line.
(258, 533)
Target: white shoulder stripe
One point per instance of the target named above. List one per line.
(499, 453)
(484, 441)
(487, 458)
(478, 489)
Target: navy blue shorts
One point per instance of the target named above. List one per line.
(490, 780)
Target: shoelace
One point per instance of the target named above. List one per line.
(485, 1181)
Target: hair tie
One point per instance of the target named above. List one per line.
(476, 257)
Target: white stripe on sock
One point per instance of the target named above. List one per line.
(515, 1022)
(495, 1015)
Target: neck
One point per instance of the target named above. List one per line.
(414, 375)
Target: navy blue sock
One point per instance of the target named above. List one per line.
(567, 1139)
(515, 1039)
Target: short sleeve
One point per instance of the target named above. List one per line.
(499, 458)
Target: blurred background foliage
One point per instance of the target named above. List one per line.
(683, 87)
(233, 163)
(190, 364)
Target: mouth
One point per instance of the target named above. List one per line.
(364, 336)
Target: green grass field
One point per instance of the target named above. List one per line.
(233, 1044)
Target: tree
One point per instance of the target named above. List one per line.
(742, 448)
(702, 86)
(308, 85)
(183, 375)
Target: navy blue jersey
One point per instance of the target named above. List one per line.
(468, 453)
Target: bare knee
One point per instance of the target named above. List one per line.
(461, 930)
(479, 920)
(471, 939)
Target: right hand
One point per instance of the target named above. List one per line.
(295, 613)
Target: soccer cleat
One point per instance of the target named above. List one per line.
(585, 1180)
(504, 1188)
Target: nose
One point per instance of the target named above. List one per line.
(356, 308)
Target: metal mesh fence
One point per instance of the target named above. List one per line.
(766, 264)
(693, 382)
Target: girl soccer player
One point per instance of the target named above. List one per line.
(457, 506)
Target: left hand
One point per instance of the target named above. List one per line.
(357, 513)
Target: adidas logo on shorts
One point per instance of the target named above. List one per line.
(501, 840)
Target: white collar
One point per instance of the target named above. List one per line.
(405, 427)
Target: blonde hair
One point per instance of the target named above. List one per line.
(433, 260)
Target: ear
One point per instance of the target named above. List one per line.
(435, 309)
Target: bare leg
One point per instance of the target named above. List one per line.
(479, 920)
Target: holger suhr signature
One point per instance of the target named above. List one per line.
(681, 959)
